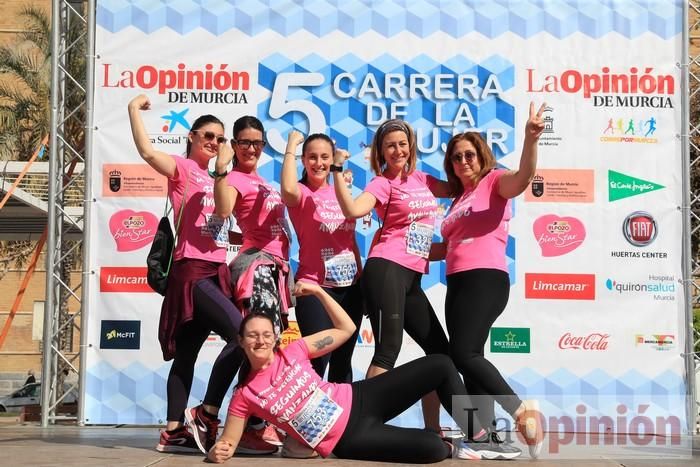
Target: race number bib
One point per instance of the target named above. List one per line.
(218, 229)
(316, 418)
(341, 269)
(419, 237)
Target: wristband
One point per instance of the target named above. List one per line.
(215, 174)
(335, 168)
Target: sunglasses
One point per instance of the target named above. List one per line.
(467, 156)
(246, 143)
(210, 136)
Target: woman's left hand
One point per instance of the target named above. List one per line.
(220, 452)
(535, 123)
(302, 289)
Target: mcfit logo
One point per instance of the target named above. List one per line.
(510, 340)
(120, 334)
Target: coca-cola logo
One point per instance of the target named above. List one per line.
(133, 229)
(593, 341)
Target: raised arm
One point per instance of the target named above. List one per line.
(352, 208)
(512, 183)
(328, 340)
(224, 194)
(226, 445)
(160, 161)
(289, 186)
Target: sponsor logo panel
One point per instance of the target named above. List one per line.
(549, 136)
(561, 186)
(661, 342)
(560, 286)
(622, 186)
(120, 334)
(639, 230)
(132, 230)
(629, 130)
(595, 341)
(558, 236)
(659, 287)
(135, 180)
(124, 279)
(510, 340)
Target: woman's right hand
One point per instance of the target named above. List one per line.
(294, 139)
(302, 289)
(220, 452)
(340, 156)
(140, 102)
(224, 156)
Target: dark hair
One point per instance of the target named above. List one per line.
(483, 153)
(199, 123)
(243, 123)
(312, 137)
(376, 157)
(244, 371)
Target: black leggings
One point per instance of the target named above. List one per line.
(396, 301)
(213, 311)
(312, 317)
(377, 400)
(473, 302)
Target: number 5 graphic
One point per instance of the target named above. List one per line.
(279, 106)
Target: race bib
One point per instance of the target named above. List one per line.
(316, 418)
(341, 270)
(218, 229)
(419, 237)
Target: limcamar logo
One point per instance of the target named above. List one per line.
(560, 286)
(593, 341)
(558, 235)
(124, 279)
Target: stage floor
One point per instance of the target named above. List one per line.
(29, 444)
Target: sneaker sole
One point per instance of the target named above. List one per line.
(255, 452)
(176, 449)
(189, 419)
(274, 442)
(494, 455)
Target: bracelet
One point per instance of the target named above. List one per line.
(215, 174)
(290, 154)
(335, 168)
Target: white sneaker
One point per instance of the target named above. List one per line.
(529, 426)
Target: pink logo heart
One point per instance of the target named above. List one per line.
(558, 235)
(132, 230)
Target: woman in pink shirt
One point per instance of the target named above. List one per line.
(405, 200)
(328, 254)
(198, 295)
(475, 232)
(260, 272)
(347, 420)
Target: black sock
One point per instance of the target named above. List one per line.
(208, 415)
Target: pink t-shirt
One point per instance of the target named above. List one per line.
(291, 395)
(203, 234)
(259, 212)
(408, 228)
(326, 239)
(476, 228)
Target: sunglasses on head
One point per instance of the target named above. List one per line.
(210, 136)
(247, 143)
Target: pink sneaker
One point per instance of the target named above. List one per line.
(271, 435)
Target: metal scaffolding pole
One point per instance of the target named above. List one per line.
(72, 47)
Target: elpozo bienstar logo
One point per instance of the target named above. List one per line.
(635, 87)
(120, 334)
(510, 340)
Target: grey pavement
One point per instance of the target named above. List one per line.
(29, 444)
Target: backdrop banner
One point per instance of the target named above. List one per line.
(596, 313)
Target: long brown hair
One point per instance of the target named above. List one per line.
(377, 160)
(483, 153)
